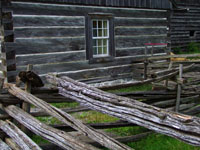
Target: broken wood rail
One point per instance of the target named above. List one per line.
(58, 137)
(22, 140)
(166, 75)
(183, 127)
(97, 136)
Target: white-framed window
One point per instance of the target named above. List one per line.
(100, 45)
(100, 37)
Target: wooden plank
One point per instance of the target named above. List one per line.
(22, 140)
(99, 137)
(131, 21)
(49, 44)
(166, 122)
(178, 100)
(4, 146)
(79, 65)
(125, 139)
(101, 72)
(47, 31)
(133, 51)
(122, 3)
(46, 58)
(12, 144)
(49, 9)
(26, 106)
(133, 41)
(60, 138)
(140, 31)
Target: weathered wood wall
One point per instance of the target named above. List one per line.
(186, 24)
(52, 38)
(159, 4)
(8, 61)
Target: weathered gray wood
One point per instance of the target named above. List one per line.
(133, 51)
(179, 88)
(166, 81)
(22, 140)
(115, 3)
(61, 44)
(45, 20)
(4, 146)
(174, 56)
(12, 144)
(98, 136)
(130, 21)
(168, 103)
(64, 67)
(48, 44)
(193, 110)
(173, 124)
(102, 72)
(129, 30)
(46, 31)
(52, 98)
(49, 9)
(125, 139)
(45, 58)
(55, 136)
(26, 106)
(127, 41)
(131, 83)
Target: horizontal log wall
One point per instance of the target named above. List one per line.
(52, 38)
(8, 61)
(159, 4)
(185, 24)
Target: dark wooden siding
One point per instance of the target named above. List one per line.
(52, 38)
(185, 25)
(188, 2)
(158, 4)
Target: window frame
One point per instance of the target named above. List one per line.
(89, 37)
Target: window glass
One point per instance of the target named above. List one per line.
(100, 37)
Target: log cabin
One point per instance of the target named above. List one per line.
(92, 40)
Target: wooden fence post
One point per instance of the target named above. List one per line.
(179, 88)
(25, 105)
(145, 63)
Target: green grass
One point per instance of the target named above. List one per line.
(145, 87)
(37, 139)
(126, 131)
(192, 48)
(65, 105)
(94, 117)
(160, 142)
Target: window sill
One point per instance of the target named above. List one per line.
(101, 60)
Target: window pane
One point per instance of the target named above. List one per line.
(105, 32)
(104, 50)
(105, 42)
(99, 24)
(94, 42)
(94, 32)
(105, 24)
(99, 43)
(99, 50)
(100, 33)
(95, 50)
(94, 24)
